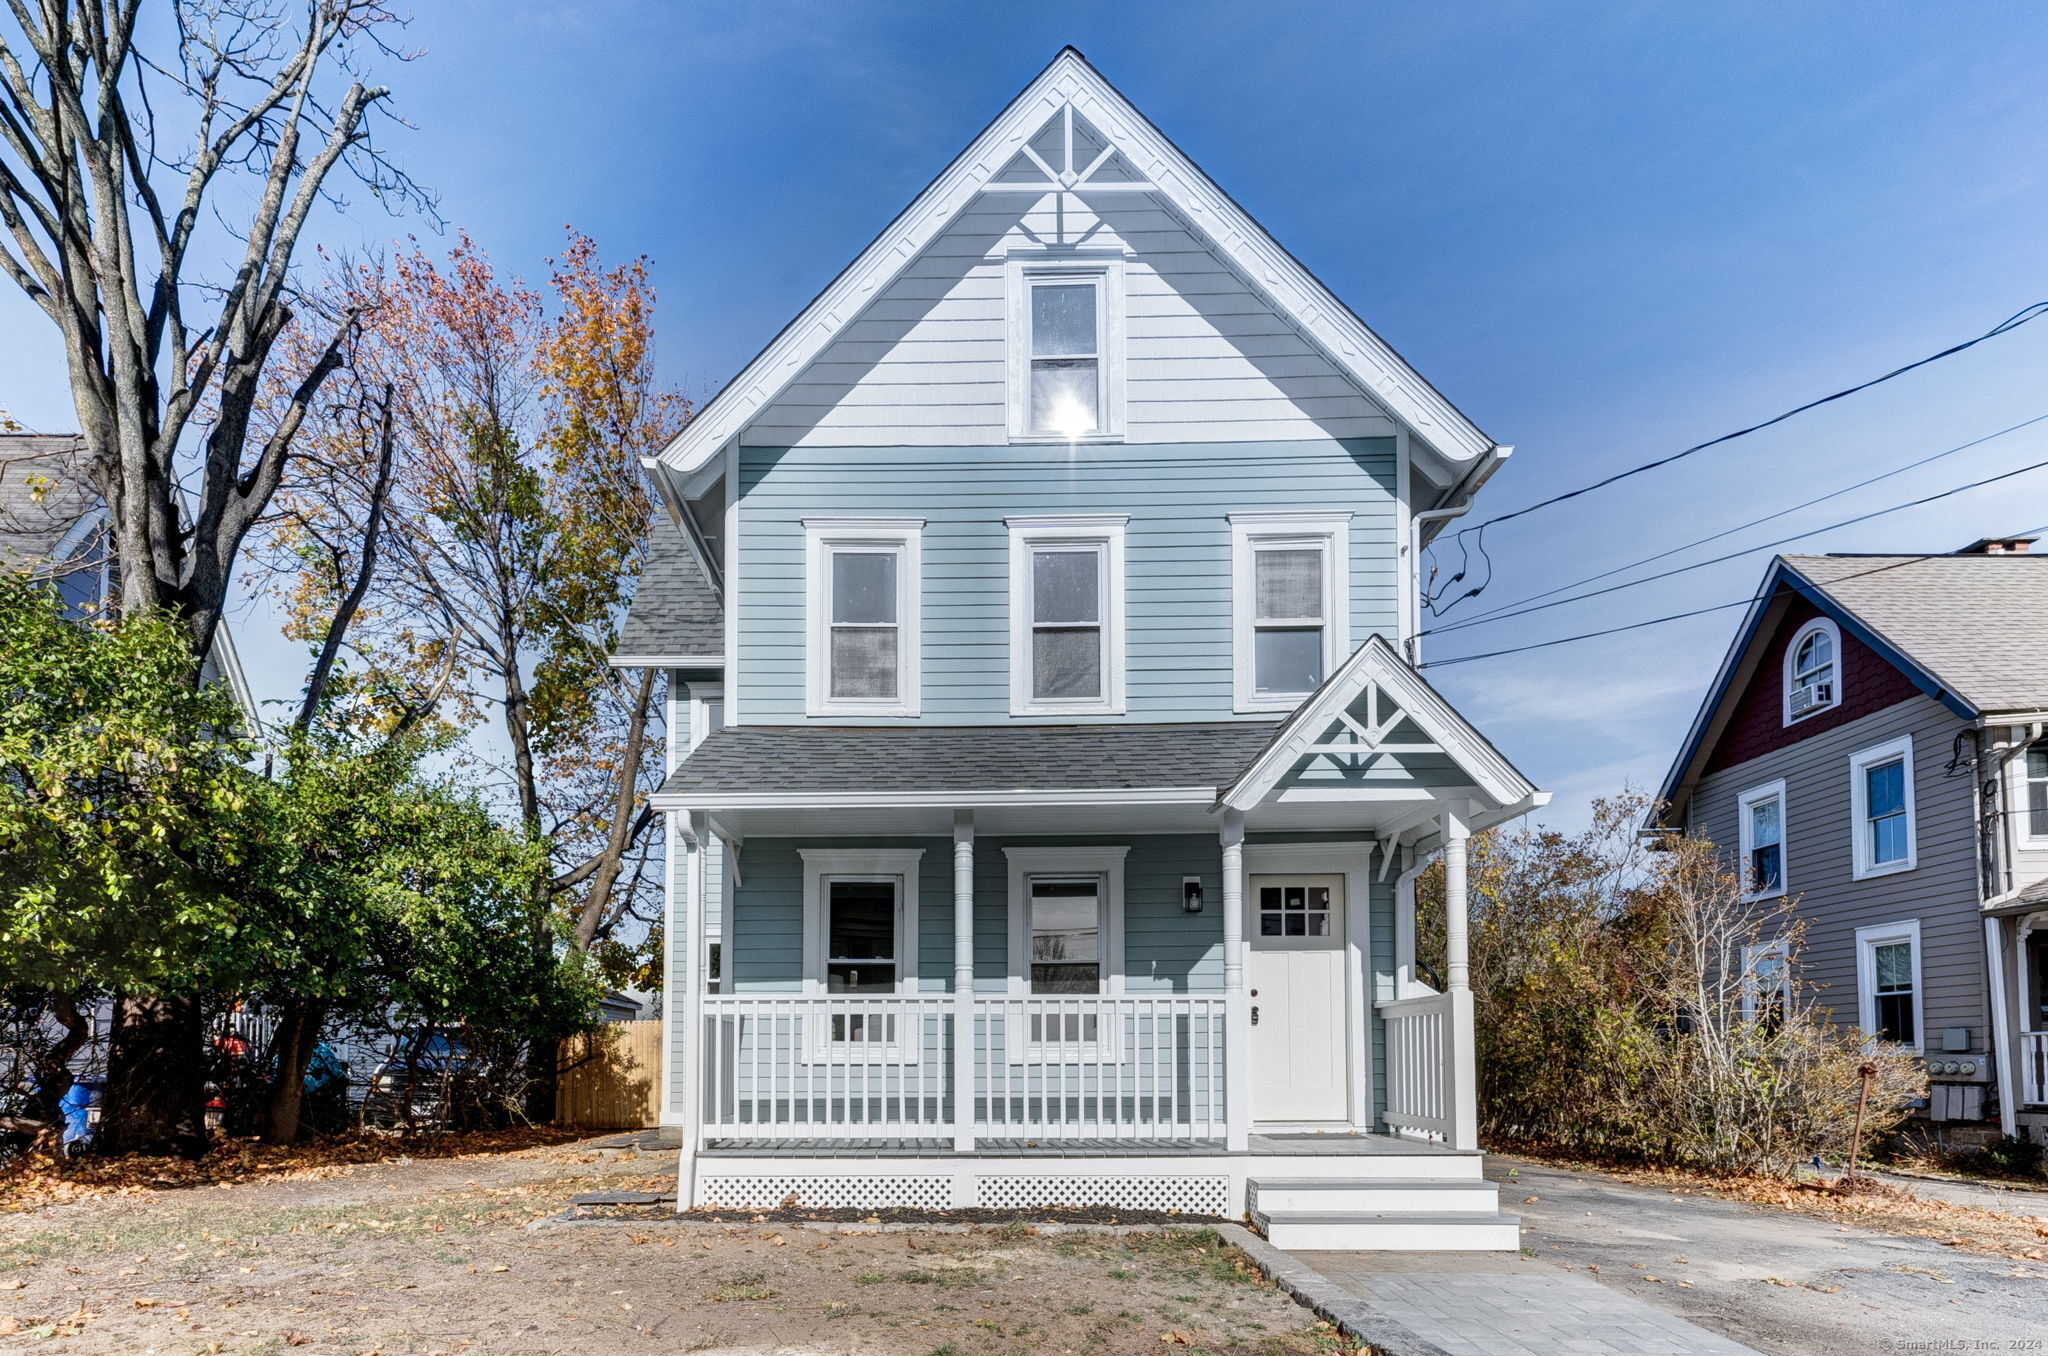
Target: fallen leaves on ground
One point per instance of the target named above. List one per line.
(41, 1180)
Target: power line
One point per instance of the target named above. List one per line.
(1734, 555)
(1653, 621)
(2021, 317)
(1758, 522)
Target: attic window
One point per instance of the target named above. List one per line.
(1813, 670)
(1066, 337)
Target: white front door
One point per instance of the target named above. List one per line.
(1296, 928)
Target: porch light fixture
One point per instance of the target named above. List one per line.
(1190, 894)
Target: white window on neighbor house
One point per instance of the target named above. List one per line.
(1888, 984)
(1066, 348)
(1766, 983)
(1067, 615)
(2034, 772)
(1761, 814)
(1881, 808)
(1290, 604)
(862, 647)
(1813, 669)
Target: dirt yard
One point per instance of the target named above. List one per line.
(458, 1255)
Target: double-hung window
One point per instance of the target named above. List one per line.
(1066, 941)
(1066, 615)
(1066, 341)
(863, 616)
(1290, 609)
(1881, 813)
(1766, 983)
(2035, 770)
(860, 931)
(1762, 832)
(1888, 981)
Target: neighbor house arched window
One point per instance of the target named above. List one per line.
(1813, 670)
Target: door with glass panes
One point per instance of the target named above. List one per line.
(1299, 1052)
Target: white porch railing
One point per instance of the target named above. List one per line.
(1419, 1084)
(827, 1067)
(2034, 1068)
(1108, 1068)
(845, 1067)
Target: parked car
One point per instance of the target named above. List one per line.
(421, 1084)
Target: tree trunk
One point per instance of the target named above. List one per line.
(156, 1084)
(298, 1035)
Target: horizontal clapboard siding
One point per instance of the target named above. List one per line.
(1941, 891)
(1206, 356)
(1177, 563)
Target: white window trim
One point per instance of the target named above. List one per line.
(2029, 841)
(1867, 940)
(702, 695)
(1751, 988)
(1863, 868)
(1026, 862)
(1107, 272)
(822, 864)
(1104, 531)
(1834, 634)
(1328, 531)
(820, 535)
(1748, 798)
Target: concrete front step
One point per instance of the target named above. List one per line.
(1392, 1231)
(1372, 1196)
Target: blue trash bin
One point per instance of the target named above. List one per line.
(78, 1105)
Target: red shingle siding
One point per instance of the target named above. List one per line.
(1758, 724)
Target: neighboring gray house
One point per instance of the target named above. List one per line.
(53, 526)
(1873, 748)
(1050, 770)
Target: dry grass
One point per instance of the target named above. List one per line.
(41, 1179)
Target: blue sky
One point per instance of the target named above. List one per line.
(1605, 230)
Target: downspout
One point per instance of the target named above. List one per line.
(1456, 502)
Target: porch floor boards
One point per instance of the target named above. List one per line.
(1302, 1145)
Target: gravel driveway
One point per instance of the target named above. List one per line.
(1772, 1279)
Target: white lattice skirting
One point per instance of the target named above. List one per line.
(1190, 1195)
(1194, 1195)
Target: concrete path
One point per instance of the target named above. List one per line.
(1734, 1277)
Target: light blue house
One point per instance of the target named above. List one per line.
(1039, 607)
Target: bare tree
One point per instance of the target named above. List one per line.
(157, 172)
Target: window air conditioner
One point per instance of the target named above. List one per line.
(1811, 696)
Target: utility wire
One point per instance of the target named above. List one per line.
(2021, 317)
(1653, 621)
(1733, 555)
(1490, 613)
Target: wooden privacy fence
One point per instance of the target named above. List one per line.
(611, 1077)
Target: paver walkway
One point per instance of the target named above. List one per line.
(1500, 1304)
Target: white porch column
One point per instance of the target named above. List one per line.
(691, 983)
(1237, 1009)
(1463, 1081)
(2002, 1027)
(963, 980)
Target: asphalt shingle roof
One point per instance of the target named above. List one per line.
(1978, 623)
(45, 488)
(675, 613)
(771, 759)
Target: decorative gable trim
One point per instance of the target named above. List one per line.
(1395, 695)
(1071, 85)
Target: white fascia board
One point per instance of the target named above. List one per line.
(666, 661)
(836, 800)
(1376, 661)
(1436, 425)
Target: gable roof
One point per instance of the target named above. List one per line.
(1968, 630)
(1401, 699)
(1437, 428)
(676, 615)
